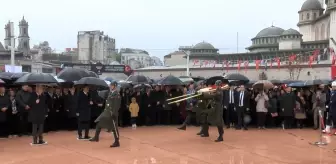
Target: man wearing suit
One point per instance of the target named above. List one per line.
(242, 105)
(332, 104)
(229, 106)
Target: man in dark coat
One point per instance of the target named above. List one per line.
(4, 106)
(22, 98)
(37, 114)
(332, 104)
(109, 117)
(242, 106)
(70, 106)
(84, 113)
(287, 105)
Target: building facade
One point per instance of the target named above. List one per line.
(95, 46)
(317, 29)
(135, 58)
(156, 61)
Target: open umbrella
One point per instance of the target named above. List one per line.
(263, 84)
(2, 82)
(170, 80)
(59, 80)
(276, 81)
(137, 79)
(186, 79)
(142, 86)
(36, 78)
(92, 81)
(124, 84)
(314, 82)
(213, 79)
(236, 77)
(92, 74)
(73, 74)
(297, 84)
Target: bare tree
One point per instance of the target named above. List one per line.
(295, 68)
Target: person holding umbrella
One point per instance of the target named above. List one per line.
(37, 114)
(109, 117)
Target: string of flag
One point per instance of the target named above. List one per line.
(314, 56)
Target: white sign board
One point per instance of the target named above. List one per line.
(13, 69)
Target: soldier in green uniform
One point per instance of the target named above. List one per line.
(213, 113)
(109, 117)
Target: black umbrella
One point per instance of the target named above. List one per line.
(124, 84)
(142, 86)
(314, 82)
(36, 78)
(138, 79)
(236, 77)
(92, 81)
(212, 80)
(276, 81)
(73, 74)
(289, 81)
(11, 76)
(170, 80)
(92, 74)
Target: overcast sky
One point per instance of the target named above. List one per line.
(158, 26)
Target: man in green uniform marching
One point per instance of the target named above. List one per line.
(109, 117)
(213, 113)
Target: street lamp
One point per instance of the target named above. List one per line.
(188, 54)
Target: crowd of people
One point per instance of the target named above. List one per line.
(280, 106)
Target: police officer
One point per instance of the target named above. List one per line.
(109, 117)
(214, 113)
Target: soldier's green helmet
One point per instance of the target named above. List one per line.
(218, 82)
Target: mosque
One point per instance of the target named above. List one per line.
(317, 31)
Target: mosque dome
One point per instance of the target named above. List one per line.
(204, 46)
(291, 32)
(311, 5)
(270, 31)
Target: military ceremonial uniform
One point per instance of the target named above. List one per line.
(213, 114)
(109, 117)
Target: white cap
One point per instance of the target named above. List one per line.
(333, 84)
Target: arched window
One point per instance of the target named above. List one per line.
(314, 16)
(323, 32)
(317, 34)
(308, 16)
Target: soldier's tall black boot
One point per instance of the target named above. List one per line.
(220, 132)
(116, 139)
(95, 138)
(205, 130)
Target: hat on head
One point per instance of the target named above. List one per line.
(333, 84)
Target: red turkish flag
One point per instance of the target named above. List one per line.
(278, 61)
(239, 62)
(292, 58)
(316, 52)
(257, 63)
(311, 59)
(227, 66)
(196, 61)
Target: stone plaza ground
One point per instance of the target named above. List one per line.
(167, 145)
